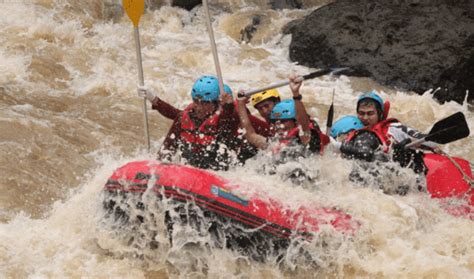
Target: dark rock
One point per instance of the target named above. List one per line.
(190, 4)
(186, 4)
(285, 4)
(456, 81)
(408, 44)
(290, 26)
(274, 4)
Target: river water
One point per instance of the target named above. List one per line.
(70, 116)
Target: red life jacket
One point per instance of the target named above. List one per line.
(380, 130)
(203, 135)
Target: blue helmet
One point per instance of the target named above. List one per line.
(284, 110)
(373, 96)
(206, 88)
(346, 124)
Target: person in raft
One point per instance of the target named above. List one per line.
(290, 123)
(381, 133)
(383, 139)
(200, 134)
(294, 134)
(165, 109)
(264, 102)
(241, 149)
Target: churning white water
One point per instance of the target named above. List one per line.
(70, 116)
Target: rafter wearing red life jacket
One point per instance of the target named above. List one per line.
(380, 129)
(204, 146)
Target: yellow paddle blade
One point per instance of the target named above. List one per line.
(134, 9)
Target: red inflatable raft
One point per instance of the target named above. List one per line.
(445, 180)
(250, 225)
(184, 183)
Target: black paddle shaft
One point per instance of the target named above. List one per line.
(333, 71)
(317, 74)
(330, 114)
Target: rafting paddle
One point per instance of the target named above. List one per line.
(446, 130)
(134, 10)
(213, 47)
(333, 71)
(330, 114)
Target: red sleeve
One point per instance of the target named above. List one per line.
(261, 127)
(164, 108)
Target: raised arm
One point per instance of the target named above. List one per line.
(250, 134)
(158, 104)
(164, 108)
(301, 116)
(227, 111)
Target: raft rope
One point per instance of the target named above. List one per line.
(466, 177)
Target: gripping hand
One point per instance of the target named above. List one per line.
(145, 92)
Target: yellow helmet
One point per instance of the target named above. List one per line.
(264, 95)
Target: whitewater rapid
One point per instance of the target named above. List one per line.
(70, 116)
